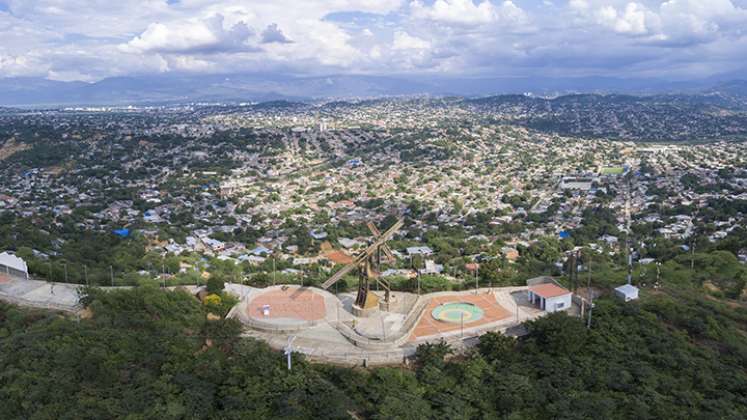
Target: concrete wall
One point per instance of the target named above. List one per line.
(558, 303)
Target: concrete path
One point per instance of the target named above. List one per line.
(40, 294)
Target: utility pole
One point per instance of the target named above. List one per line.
(591, 296)
(692, 255)
(65, 272)
(273, 270)
(111, 274)
(630, 266)
(85, 273)
(572, 267)
(477, 284)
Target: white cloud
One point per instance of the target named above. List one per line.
(91, 39)
(634, 19)
(689, 21)
(16, 65)
(200, 36)
(579, 4)
(466, 11)
(456, 11)
(683, 22)
(405, 41)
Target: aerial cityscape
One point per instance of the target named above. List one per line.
(355, 209)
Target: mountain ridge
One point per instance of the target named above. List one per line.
(236, 88)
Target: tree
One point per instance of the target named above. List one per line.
(215, 284)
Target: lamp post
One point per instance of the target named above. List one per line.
(289, 350)
(477, 284)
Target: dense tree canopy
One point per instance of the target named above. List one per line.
(148, 353)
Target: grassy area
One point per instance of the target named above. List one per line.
(613, 170)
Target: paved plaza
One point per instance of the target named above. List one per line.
(322, 323)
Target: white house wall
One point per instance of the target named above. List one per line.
(551, 304)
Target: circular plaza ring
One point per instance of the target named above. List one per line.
(457, 312)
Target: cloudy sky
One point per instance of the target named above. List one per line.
(92, 39)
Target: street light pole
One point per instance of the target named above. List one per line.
(591, 296)
(289, 350)
(477, 285)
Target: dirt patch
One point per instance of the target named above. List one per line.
(734, 304)
(708, 285)
(11, 147)
(86, 313)
(55, 170)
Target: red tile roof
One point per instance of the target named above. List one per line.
(549, 290)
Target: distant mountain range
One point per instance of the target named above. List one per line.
(236, 88)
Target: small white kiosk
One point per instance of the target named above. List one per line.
(626, 292)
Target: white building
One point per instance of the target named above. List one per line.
(626, 292)
(419, 250)
(550, 297)
(12, 265)
(431, 268)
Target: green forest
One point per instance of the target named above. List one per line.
(147, 353)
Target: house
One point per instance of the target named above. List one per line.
(261, 250)
(305, 260)
(626, 292)
(611, 240)
(318, 234)
(419, 250)
(398, 272)
(431, 268)
(350, 243)
(214, 244)
(742, 255)
(151, 216)
(12, 265)
(548, 295)
(511, 254)
(253, 259)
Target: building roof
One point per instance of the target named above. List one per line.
(549, 290)
(10, 260)
(627, 289)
